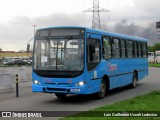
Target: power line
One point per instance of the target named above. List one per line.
(96, 23)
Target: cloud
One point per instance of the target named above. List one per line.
(137, 20)
(149, 6)
(141, 11)
(17, 32)
(59, 19)
(149, 32)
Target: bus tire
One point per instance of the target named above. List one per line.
(102, 93)
(60, 95)
(134, 81)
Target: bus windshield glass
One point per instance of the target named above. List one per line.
(59, 54)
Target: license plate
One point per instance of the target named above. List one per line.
(75, 90)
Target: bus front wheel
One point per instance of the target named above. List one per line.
(134, 81)
(102, 93)
(60, 95)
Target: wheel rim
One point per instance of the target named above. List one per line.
(103, 89)
(135, 82)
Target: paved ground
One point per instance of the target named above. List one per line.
(29, 101)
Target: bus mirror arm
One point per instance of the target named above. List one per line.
(28, 48)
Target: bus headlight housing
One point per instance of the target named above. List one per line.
(36, 82)
(81, 83)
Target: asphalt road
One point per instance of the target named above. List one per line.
(29, 101)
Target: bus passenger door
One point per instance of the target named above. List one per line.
(93, 59)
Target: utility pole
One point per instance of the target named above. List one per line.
(96, 23)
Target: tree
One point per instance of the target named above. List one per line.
(156, 47)
(150, 48)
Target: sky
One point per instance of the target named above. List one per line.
(131, 17)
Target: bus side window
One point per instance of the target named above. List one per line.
(116, 48)
(106, 50)
(137, 47)
(123, 49)
(93, 53)
(135, 50)
(129, 49)
(140, 49)
(93, 50)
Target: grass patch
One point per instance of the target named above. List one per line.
(149, 102)
(154, 65)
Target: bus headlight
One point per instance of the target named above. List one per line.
(36, 82)
(81, 83)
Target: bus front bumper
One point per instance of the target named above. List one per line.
(67, 90)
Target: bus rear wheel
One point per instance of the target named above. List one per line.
(60, 95)
(102, 93)
(134, 81)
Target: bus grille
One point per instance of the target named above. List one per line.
(56, 89)
(58, 83)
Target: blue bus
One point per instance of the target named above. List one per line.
(79, 60)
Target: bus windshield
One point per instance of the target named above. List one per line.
(59, 54)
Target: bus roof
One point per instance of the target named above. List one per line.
(100, 32)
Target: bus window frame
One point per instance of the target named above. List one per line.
(125, 49)
(113, 49)
(110, 49)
